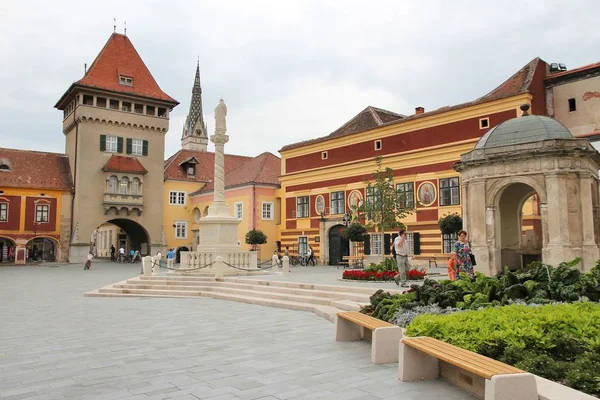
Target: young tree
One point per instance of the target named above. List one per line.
(384, 206)
(255, 237)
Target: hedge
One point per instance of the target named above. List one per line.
(560, 342)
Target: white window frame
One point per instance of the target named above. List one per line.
(177, 198)
(181, 230)
(137, 147)
(335, 206)
(487, 123)
(111, 144)
(410, 240)
(238, 210)
(41, 209)
(124, 185)
(269, 212)
(135, 186)
(302, 245)
(3, 212)
(113, 182)
(377, 244)
(125, 80)
(449, 189)
(303, 209)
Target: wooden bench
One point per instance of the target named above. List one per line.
(419, 359)
(384, 337)
(355, 261)
(434, 258)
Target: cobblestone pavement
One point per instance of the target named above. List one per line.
(57, 344)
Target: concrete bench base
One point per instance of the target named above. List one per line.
(384, 340)
(415, 365)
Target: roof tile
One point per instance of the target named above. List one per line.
(124, 164)
(35, 170)
(262, 169)
(119, 56)
(205, 168)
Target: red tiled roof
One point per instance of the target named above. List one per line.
(35, 170)
(124, 164)
(205, 168)
(584, 68)
(519, 83)
(367, 119)
(262, 169)
(119, 57)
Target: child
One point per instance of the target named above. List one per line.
(452, 267)
(88, 263)
(275, 259)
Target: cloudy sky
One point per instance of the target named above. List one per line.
(288, 70)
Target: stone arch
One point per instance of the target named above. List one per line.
(6, 243)
(496, 189)
(43, 248)
(196, 214)
(338, 246)
(136, 236)
(508, 242)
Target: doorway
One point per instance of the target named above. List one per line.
(338, 245)
(178, 254)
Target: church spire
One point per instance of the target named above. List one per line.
(194, 135)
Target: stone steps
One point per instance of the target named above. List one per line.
(182, 285)
(324, 300)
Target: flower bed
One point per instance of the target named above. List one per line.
(358, 275)
(560, 342)
(366, 275)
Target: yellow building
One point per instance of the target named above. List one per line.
(35, 206)
(322, 178)
(251, 193)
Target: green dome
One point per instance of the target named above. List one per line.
(525, 129)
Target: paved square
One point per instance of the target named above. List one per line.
(57, 344)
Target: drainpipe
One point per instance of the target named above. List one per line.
(253, 206)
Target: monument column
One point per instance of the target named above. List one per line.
(218, 207)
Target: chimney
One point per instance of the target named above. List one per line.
(419, 110)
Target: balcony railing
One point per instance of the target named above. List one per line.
(123, 202)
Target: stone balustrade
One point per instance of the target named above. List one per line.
(192, 260)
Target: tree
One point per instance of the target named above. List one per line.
(384, 205)
(355, 232)
(450, 224)
(255, 237)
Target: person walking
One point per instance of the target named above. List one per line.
(311, 256)
(462, 248)
(88, 263)
(112, 252)
(170, 257)
(402, 249)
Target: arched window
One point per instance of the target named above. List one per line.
(135, 186)
(196, 214)
(112, 184)
(124, 185)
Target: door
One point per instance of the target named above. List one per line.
(338, 246)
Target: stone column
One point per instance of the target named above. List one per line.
(589, 250)
(218, 207)
(476, 217)
(557, 249)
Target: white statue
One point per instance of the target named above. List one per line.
(220, 113)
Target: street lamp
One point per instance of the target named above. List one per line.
(347, 219)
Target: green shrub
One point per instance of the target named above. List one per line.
(557, 341)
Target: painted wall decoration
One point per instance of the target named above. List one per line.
(320, 205)
(355, 200)
(426, 194)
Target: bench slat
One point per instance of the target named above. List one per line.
(456, 352)
(363, 320)
(465, 359)
(486, 366)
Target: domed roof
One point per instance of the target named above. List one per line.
(525, 129)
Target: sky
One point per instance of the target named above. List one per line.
(288, 70)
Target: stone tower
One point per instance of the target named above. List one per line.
(114, 120)
(194, 135)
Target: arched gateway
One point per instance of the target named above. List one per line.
(513, 161)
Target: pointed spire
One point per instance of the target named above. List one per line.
(195, 128)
